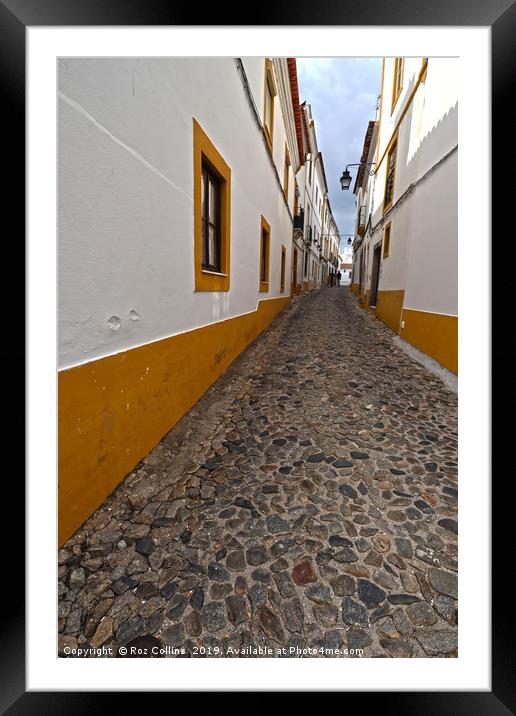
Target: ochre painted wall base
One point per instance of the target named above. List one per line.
(388, 308)
(435, 334)
(113, 411)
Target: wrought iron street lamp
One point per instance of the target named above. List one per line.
(345, 180)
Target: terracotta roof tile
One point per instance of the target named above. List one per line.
(294, 89)
(363, 158)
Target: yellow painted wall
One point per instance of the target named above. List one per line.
(433, 333)
(388, 308)
(113, 411)
(363, 297)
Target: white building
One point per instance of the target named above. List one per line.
(364, 190)
(346, 263)
(315, 231)
(176, 203)
(405, 268)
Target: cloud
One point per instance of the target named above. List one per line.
(343, 93)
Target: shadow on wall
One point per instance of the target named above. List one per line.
(433, 147)
(430, 149)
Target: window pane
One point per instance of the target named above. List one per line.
(263, 276)
(213, 199)
(204, 244)
(203, 215)
(203, 191)
(212, 247)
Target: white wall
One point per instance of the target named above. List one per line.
(125, 194)
(423, 247)
(433, 260)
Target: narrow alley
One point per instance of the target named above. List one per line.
(308, 502)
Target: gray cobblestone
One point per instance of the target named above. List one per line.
(309, 498)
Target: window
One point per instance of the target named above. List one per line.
(296, 198)
(268, 111)
(386, 241)
(286, 171)
(282, 272)
(397, 81)
(212, 194)
(210, 212)
(310, 170)
(391, 172)
(265, 248)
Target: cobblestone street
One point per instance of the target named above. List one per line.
(309, 500)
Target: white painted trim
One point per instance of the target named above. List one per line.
(421, 310)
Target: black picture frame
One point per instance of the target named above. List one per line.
(15, 17)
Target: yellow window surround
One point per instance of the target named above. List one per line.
(270, 90)
(397, 81)
(205, 152)
(265, 250)
(393, 149)
(387, 240)
(286, 171)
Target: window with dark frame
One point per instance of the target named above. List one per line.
(263, 254)
(210, 212)
(391, 168)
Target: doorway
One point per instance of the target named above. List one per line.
(294, 273)
(375, 276)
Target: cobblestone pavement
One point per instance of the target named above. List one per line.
(308, 501)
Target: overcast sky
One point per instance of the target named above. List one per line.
(343, 93)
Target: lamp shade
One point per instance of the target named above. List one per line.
(345, 180)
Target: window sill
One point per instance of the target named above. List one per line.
(214, 273)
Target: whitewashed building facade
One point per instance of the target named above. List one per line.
(405, 267)
(315, 231)
(176, 202)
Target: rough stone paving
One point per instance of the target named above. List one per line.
(308, 501)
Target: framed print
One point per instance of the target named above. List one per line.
(247, 434)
